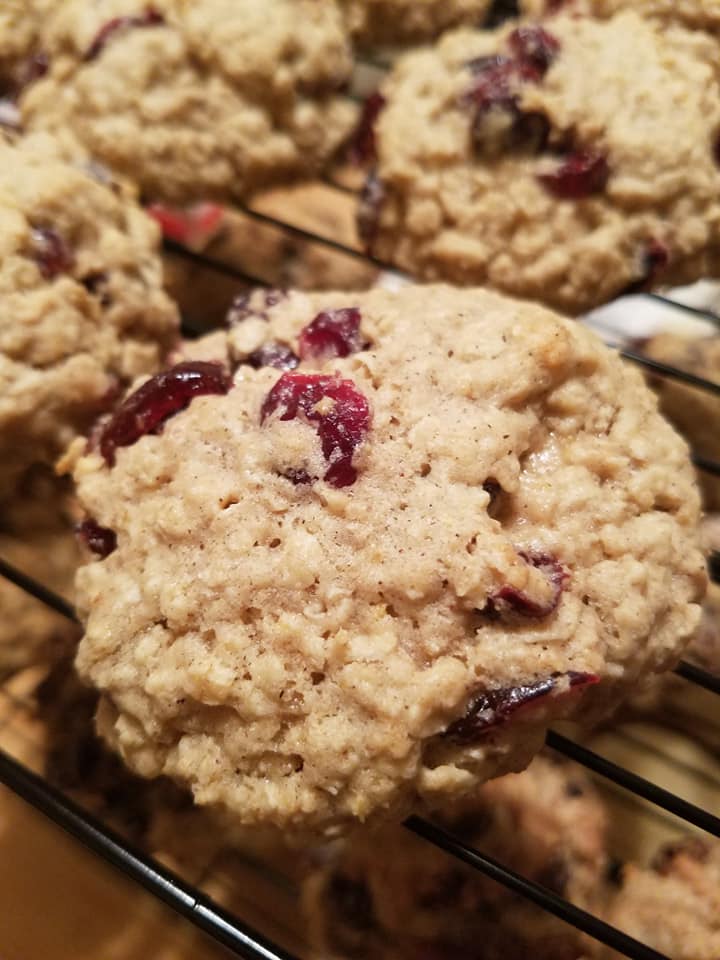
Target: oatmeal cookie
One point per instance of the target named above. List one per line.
(82, 309)
(698, 14)
(673, 701)
(393, 537)
(218, 97)
(695, 412)
(674, 907)
(373, 22)
(531, 159)
(36, 537)
(392, 894)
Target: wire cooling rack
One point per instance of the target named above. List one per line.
(185, 898)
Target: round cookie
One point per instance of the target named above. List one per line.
(82, 309)
(36, 537)
(218, 97)
(692, 410)
(368, 570)
(698, 14)
(392, 894)
(409, 21)
(674, 907)
(533, 160)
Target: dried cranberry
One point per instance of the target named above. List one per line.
(494, 85)
(100, 540)
(149, 18)
(254, 303)
(160, 398)
(362, 147)
(50, 252)
(493, 707)
(496, 90)
(653, 260)
(333, 333)
(580, 174)
(273, 354)
(194, 227)
(372, 198)
(341, 429)
(508, 598)
(535, 48)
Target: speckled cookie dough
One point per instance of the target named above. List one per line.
(391, 894)
(218, 97)
(533, 160)
(36, 537)
(407, 21)
(675, 906)
(675, 702)
(702, 14)
(367, 568)
(694, 411)
(82, 309)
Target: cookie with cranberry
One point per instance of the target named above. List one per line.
(698, 14)
(524, 159)
(37, 538)
(391, 894)
(373, 22)
(675, 702)
(674, 907)
(82, 309)
(692, 410)
(218, 97)
(365, 548)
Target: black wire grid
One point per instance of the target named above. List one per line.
(222, 926)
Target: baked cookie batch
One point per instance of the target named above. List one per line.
(351, 555)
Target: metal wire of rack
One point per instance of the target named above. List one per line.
(241, 939)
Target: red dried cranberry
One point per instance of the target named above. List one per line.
(160, 398)
(194, 227)
(341, 430)
(494, 83)
(149, 18)
(51, 253)
(372, 198)
(333, 333)
(100, 540)
(496, 89)
(247, 305)
(653, 260)
(493, 707)
(580, 174)
(362, 147)
(273, 354)
(510, 599)
(535, 48)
